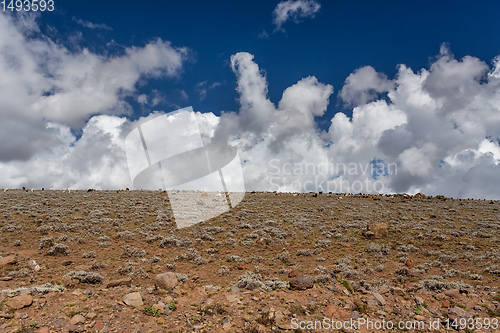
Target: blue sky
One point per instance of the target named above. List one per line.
(301, 84)
(342, 36)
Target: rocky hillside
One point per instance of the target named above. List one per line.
(108, 261)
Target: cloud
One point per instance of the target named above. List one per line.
(91, 25)
(203, 87)
(435, 130)
(42, 82)
(295, 10)
(363, 86)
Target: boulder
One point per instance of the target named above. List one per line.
(121, 282)
(301, 283)
(8, 260)
(77, 319)
(20, 302)
(166, 281)
(379, 229)
(457, 313)
(133, 299)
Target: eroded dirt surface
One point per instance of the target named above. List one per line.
(69, 262)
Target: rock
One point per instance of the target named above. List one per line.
(301, 283)
(232, 298)
(34, 265)
(369, 234)
(121, 282)
(419, 300)
(293, 274)
(286, 325)
(235, 289)
(455, 293)
(6, 315)
(242, 266)
(73, 329)
(380, 229)
(354, 315)
(398, 291)
(166, 281)
(8, 260)
(456, 313)
(380, 299)
(70, 282)
(226, 326)
(420, 318)
(20, 302)
(409, 263)
(160, 306)
(44, 329)
(91, 315)
(133, 299)
(77, 319)
(278, 316)
(6, 278)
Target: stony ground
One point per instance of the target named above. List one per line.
(108, 261)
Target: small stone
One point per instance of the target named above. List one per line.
(354, 315)
(235, 289)
(20, 302)
(409, 263)
(380, 229)
(43, 329)
(6, 315)
(398, 291)
(420, 318)
(24, 316)
(69, 282)
(73, 329)
(166, 281)
(456, 313)
(379, 298)
(77, 319)
(455, 293)
(160, 306)
(242, 266)
(294, 273)
(121, 282)
(133, 299)
(8, 260)
(91, 315)
(34, 265)
(419, 300)
(301, 283)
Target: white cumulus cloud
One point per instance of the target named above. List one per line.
(295, 10)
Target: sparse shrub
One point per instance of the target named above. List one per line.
(305, 252)
(126, 235)
(86, 277)
(90, 254)
(46, 243)
(59, 249)
(224, 270)
(134, 252)
(251, 281)
(235, 258)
